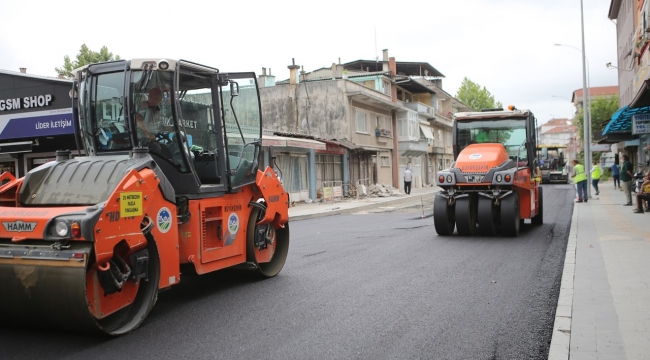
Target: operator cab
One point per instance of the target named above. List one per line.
(511, 128)
(201, 126)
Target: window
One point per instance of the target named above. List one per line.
(383, 122)
(417, 161)
(403, 161)
(386, 87)
(509, 132)
(409, 125)
(385, 161)
(448, 162)
(109, 129)
(440, 139)
(362, 124)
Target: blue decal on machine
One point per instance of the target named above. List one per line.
(164, 220)
(233, 228)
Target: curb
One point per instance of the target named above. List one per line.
(396, 201)
(561, 339)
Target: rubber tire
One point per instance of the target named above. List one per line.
(539, 218)
(444, 217)
(487, 216)
(273, 267)
(466, 208)
(510, 217)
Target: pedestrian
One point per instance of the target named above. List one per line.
(595, 176)
(580, 179)
(643, 194)
(626, 178)
(407, 180)
(615, 176)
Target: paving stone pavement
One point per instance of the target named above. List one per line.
(604, 304)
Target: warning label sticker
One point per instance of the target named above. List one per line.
(131, 203)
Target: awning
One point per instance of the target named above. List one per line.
(642, 97)
(16, 147)
(283, 141)
(622, 120)
(426, 131)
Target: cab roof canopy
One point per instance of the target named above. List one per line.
(495, 114)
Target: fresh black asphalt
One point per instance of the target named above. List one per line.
(357, 286)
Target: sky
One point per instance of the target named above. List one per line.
(506, 46)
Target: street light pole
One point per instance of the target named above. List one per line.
(587, 113)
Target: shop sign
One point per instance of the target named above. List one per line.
(28, 102)
(36, 123)
(640, 124)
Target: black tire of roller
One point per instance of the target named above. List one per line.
(443, 216)
(510, 218)
(487, 216)
(466, 208)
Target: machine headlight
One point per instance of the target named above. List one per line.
(61, 228)
(449, 178)
(499, 178)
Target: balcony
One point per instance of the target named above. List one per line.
(422, 109)
(413, 148)
(443, 119)
(436, 149)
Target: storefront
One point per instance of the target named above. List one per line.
(296, 159)
(35, 120)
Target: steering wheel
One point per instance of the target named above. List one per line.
(163, 138)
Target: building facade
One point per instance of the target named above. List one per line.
(376, 117)
(629, 128)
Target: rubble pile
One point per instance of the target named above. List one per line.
(378, 190)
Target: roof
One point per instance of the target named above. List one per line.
(596, 91)
(557, 122)
(403, 67)
(16, 73)
(415, 87)
(561, 130)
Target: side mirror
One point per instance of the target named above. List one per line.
(234, 89)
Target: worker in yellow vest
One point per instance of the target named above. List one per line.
(595, 176)
(580, 179)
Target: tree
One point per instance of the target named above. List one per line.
(602, 109)
(477, 98)
(85, 57)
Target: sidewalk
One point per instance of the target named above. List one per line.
(304, 211)
(604, 304)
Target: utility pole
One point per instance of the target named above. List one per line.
(585, 103)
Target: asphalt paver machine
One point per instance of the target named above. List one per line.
(552, 163)
(492, 186)
(170, 177)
